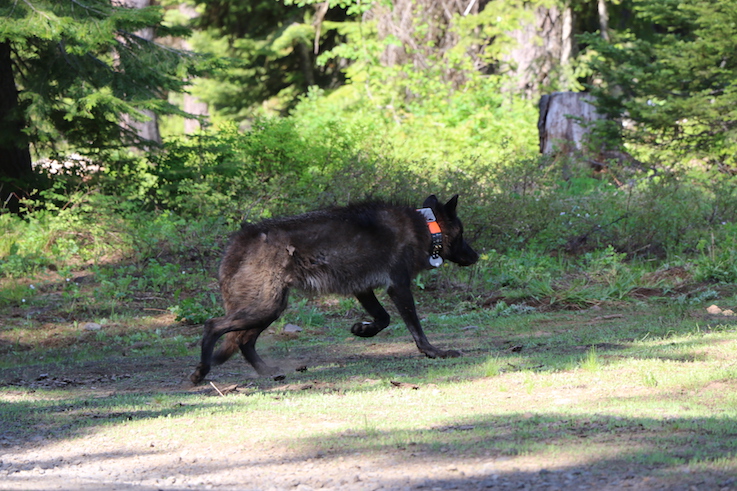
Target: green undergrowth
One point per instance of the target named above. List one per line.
(597, 358)
(629, 386)
(584, 325)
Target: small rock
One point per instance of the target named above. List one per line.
(292, 328)
(713, 309)
(92, 326)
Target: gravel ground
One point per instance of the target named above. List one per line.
(92, 462)
(115, 457)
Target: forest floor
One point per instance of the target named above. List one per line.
(364, 415)
(103, 460)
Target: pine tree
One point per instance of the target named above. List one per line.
(69, 69)
(15, 159)
(273, 47)
(673, 76)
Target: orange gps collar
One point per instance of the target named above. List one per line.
(437, 236)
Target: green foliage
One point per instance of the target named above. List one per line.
(59, 228)
(442, 95)
(492, 367)
(15, 264)
(80, 66)
(650, 215)
(433, 109)
(501, 309)
(461, 145)
(270, 47)
(303, 314)
(675, 83)
(194, 311)
(522, 277)
(274, 168)
(591, 363)
(717, 258)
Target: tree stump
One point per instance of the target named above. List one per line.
(562, 121)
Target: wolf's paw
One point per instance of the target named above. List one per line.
(275, 373)
(438, 353)
(199, 374)
(451, 353)
(365, 329)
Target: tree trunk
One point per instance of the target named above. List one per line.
(147, 131)
(562, 121)
(15, 157)
(543, 47)
(423, 29)
(603, 19)
(192, 104)
(306, 62)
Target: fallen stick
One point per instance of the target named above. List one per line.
(214, 387)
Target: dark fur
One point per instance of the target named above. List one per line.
(351, 251)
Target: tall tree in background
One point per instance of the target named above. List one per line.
(146, 128)
(191, 103)
(672, 74)
(78, 66)
(421, 53)
(15, 158)
(412, 48)
(273, 45)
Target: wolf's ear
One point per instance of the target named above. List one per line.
(431, 202)
(450, 206)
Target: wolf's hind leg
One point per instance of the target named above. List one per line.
(208, 343)
(381, 318)
(245, 341)
(248, 349)
(227, 348)
(251, 323)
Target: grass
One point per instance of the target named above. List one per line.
(601, 364)
(624, 383)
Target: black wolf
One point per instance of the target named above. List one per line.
(350, 250)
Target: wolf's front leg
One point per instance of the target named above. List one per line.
(402, 297)
(381, 318)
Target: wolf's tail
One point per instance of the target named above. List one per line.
(227, 348)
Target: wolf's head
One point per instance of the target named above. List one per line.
(455, 248)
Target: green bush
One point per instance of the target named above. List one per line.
(270, 169)
(717, 259)
(196, 310)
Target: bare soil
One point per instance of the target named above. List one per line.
(46, 458)
(92, 461)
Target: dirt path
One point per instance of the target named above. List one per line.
(93, 464)
(110, 458)
(121, 468)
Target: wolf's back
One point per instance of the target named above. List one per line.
(339, 250)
